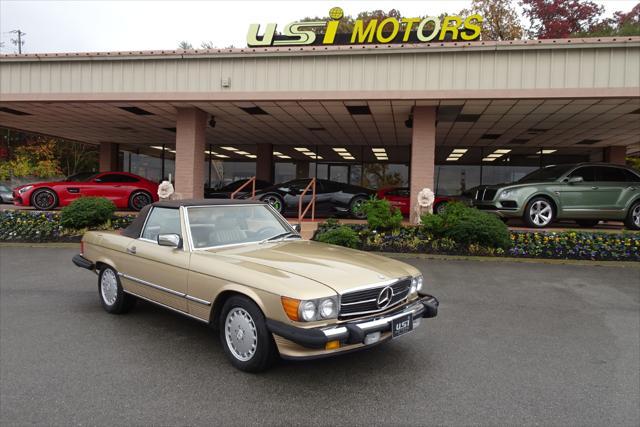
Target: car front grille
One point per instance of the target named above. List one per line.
(366, 301)
(485, 194)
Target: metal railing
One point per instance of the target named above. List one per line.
(312, 203)
(253, 188)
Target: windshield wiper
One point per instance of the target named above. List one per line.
(280, 236)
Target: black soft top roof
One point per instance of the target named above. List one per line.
(135, 228)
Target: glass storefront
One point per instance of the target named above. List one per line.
(457, 169)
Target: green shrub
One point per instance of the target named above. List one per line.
(467, 226)
(87, 212)
(342, 235)
(381, 215)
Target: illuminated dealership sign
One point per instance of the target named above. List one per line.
(388, 30)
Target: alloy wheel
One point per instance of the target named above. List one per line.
(356, 208)
(140, 200)
(109, 287)
(44, 200)
(241, 334)
(541, 213)
(274, 202)
(635, 216)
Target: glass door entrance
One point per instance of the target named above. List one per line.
(340, 172)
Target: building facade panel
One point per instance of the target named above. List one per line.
(580, 66)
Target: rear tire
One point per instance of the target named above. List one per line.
(539, 212)
(139, 199)
(244, 335)
(274, 201)
(632, 222)
(355, 207)
(587, 223)
(44, 199)
(113, 298)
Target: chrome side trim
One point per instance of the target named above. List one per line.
(162, 288)
(167, 307)
(153, 285)
(198, 300)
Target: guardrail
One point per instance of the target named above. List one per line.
(312, 203)
(253, 189)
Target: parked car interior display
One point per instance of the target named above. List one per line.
(239, 266)
(584, 192)
(125, 190)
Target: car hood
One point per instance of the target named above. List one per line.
(334, 266)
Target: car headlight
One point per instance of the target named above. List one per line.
(505, 194)
(310, 310)
(25, 189)
(416, 284)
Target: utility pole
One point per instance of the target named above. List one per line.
(18, 42)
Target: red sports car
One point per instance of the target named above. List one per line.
(399, 197)
(125, 190)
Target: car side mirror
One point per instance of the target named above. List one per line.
(297, 228)
(97, 180)
(575, 179)
(171, 240)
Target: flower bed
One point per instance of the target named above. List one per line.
(29, 226)
(623, 246)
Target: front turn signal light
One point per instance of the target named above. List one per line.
(291, 306)
(332, 345)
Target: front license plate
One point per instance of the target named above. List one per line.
(401, 325)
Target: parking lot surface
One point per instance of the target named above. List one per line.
(514, 343)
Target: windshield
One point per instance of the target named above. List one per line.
(213, 226)
(550, 173)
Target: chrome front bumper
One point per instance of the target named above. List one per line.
(353, 332)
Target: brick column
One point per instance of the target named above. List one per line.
(423, 152)
(190, 127)
(108, 156)
(264, 162)
(615, 154)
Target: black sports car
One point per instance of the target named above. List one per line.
(226, 191)
(331, 197)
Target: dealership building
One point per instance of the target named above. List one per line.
(442, 115)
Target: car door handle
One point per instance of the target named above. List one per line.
(631, 188)
(132, 250)
(594, 188)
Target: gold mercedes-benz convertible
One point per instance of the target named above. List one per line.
(239, 266)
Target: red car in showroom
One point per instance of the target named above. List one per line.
(399, 197)
(125, 190)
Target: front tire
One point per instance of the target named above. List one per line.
(539, 212)
(44, 199)
(440, 208)
(632, 222)
(114, 299)
(139, 199)
(244, 335)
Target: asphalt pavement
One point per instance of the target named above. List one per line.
(514, 343)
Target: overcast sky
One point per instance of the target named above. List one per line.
(93, 25)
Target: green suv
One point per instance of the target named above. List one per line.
(584, 192)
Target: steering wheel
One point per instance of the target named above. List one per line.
(267, 231)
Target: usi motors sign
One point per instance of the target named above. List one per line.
(388, 30)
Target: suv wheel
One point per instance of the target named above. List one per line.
(539, 212)
(633, 217)
(244, 335)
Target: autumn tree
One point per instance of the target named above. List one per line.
(622, 24)
(185, 45)
(552, 19)
(500, 20)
